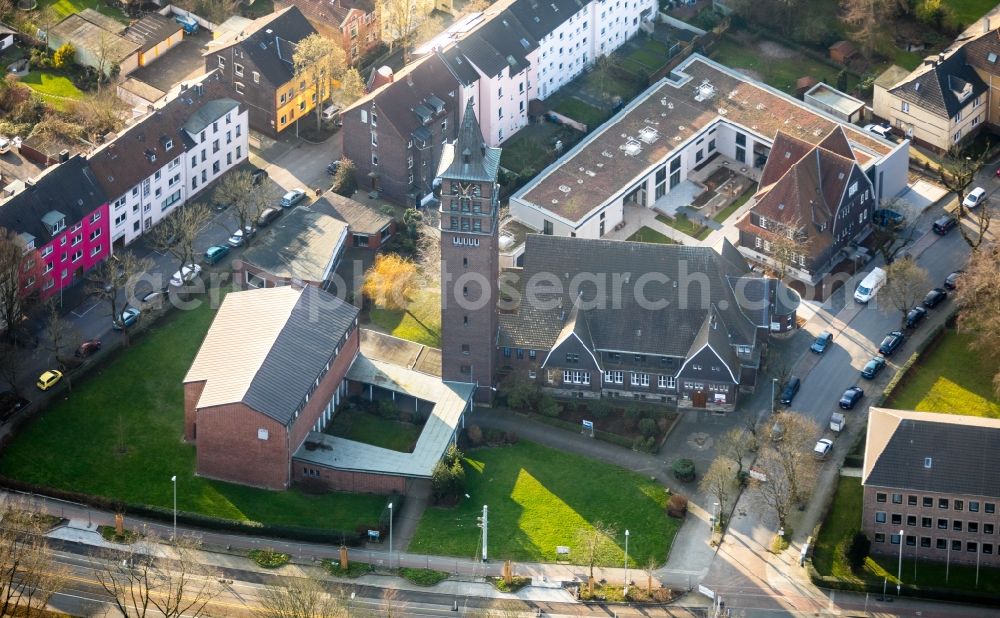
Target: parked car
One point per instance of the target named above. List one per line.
(974, 198)
(49, 379)
(4, 145)
(935, 297)
(879, 129)
(788, 393)
(129, 317)
(822, 342)
(154, 297)
(87, 348)
(258, 176)
(951, 281)
(944, 224)
(333, 167)
(887, 217)
(267, 217)
(851, 397)
(292, 198)
(187, 274)
(10, 403)
(239, 237)
(915, 316)
(823, 448)
(215, 253)
(873, 367)
(891, 342)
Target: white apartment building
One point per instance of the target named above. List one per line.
(169, 156)
(532, 48)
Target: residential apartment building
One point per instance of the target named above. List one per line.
(256, 65)
(931, 487)
(647, 150)
(157, 164)
(640, 321)
(63, 215)
(353, 23)
(395, 135)
(816, 194)
(951, 97)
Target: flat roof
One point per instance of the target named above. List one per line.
(402, 352)
(450, 400)
(699, 93)
(360, 217)
(830, 96)
(301, 245)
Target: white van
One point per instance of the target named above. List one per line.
(869, 285)
(330, 112)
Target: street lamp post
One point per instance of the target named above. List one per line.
(625, 592)
(390, 535)
(715, 520)
(173, 480)
(774, 383)
(899, 574)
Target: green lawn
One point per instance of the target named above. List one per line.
(781, 73)
(68, 7)
(73, 445)
(949, 378)
(525, 153)
(365, 427)
(648, 234)
(685, 226)
(840, 525)
(53, 87)
(420, 323)
(968, 11)
(725, 213)
(538, 498)
(581, 112)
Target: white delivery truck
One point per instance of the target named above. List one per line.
(869, 285)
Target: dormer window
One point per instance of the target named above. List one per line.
(168, 144)
(54, 222)
(29, 242)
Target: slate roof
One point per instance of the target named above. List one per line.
(621, 324)
(69, 188)
(128, 159)
(962, 452)
(983, 52)
(808, 192)
(270, 43)
(459, 65)
(468, 157)
(331, 11)
(270, 365)
(937, 88)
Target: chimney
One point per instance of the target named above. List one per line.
(940, 57)
(986, 24)
(381, 77)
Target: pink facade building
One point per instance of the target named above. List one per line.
(63, 216)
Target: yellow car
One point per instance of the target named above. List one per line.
(49, 379)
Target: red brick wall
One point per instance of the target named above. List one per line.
(339, 480)
(241, 268)
(192, 391)
(228, 447)
(324, 392)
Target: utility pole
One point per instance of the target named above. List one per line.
(483, 523)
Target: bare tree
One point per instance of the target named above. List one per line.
(890, 237)
(787, 244)
(392, 605)
(318, 61)
(247, 200)
(99, 113)
(29, 574)
(177, 233)
(779, 366)
(595, 546)
(868, 18)
(737, 444)
(793, 449)
(777, 493)
(957, 173)
(19, 265)
(12, 364)
(906, 282)
(60, 337)
(298, 597)
(400, 19)
(141, 584)
(429, 254)
(717, 481)
(978, 298)
(112, 281)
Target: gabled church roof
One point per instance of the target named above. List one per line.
(468, 157)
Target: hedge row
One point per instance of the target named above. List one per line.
(195, 520)
(904, 369)
(923, 592)
(568, 426)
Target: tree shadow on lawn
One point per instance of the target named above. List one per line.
(534, 507)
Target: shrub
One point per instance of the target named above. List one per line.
(268, 558)
(683, 470)
(511, 437)
(522, 395)
(64, 57)
(406, 417)
(448, 477)
(516, 583)
(677, 506)
(475, 435)
(423, 577)
(548, 406)
(858, 550)
(599, 409)
(633, 414)
(386, 409)
(629, 424)
(493, 437)
(344, 181)
(647, 427)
